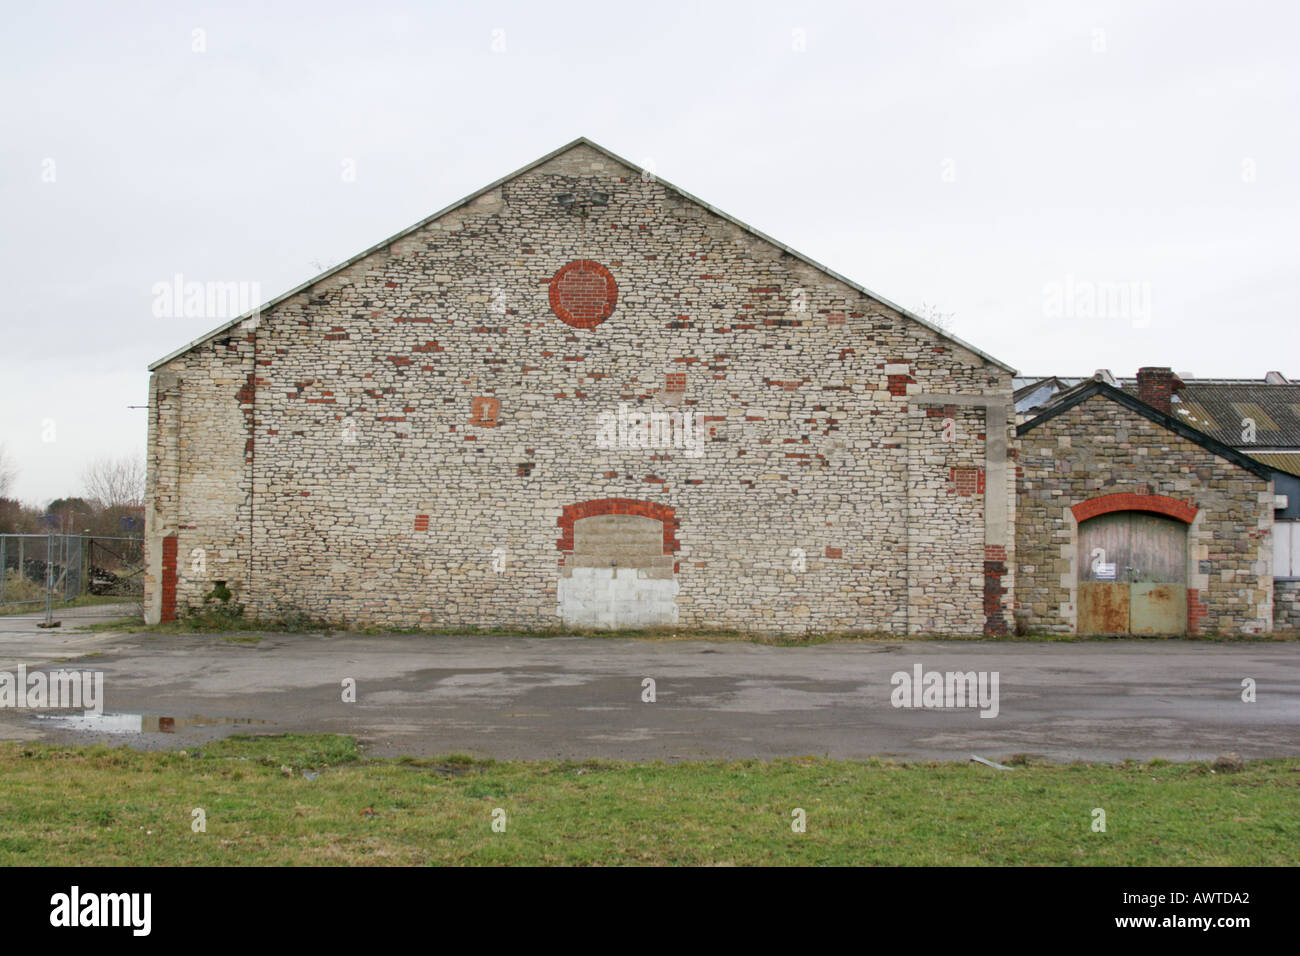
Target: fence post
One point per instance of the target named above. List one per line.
(49, 579)
(4, 567)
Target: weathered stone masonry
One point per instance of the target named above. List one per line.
(403, 440)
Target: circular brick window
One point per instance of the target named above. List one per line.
(583, 294)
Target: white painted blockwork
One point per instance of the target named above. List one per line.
(617, 597)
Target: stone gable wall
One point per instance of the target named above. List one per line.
(398, 444)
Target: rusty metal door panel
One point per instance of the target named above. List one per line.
(1103, 607)
(1158, 608)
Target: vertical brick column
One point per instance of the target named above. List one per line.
(168, 579)
(995, 566)
(1196, 611)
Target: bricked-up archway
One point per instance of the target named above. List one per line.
(1159, 504)
(618, 506)
(583, 294)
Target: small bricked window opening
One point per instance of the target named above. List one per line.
(834, 553)
(421, 522)
(966, 482)
(583, 294)
(484, 410)
(676, 382)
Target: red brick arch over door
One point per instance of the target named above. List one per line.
(618, 506)
(1159, 504)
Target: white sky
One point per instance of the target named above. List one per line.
(978, 158)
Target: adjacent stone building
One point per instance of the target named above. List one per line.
(1131, 521)
(583, 397)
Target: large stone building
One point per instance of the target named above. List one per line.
(581, 396)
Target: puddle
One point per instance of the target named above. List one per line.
(137, 723)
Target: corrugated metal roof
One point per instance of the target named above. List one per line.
(1288, 461)
(1220, 410)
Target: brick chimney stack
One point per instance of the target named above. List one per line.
(1156, 387)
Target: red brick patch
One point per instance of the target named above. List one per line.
(898, 384)
(421, 522)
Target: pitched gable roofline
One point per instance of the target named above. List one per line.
(1086, 390)
(580, 141)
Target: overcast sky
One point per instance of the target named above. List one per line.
(1078, 185)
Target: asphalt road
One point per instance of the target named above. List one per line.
(577, 698)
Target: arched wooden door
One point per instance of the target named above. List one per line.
(1132, 574)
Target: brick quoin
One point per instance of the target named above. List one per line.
(995, 566)
(583, 294)
(168, 608)
(617, 506)
(1160, 504)
(1196, 611)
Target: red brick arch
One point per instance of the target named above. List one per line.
(1159, 504)
(618, 506)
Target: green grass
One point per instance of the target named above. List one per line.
(101, 806)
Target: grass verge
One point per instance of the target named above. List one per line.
(316, 800)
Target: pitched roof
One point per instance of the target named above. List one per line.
(1086, 390)
(580, 141)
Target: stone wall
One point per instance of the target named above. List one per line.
(1286, 605)
(399, 442)
(1100, 447)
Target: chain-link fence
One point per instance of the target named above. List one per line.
(40, 571)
